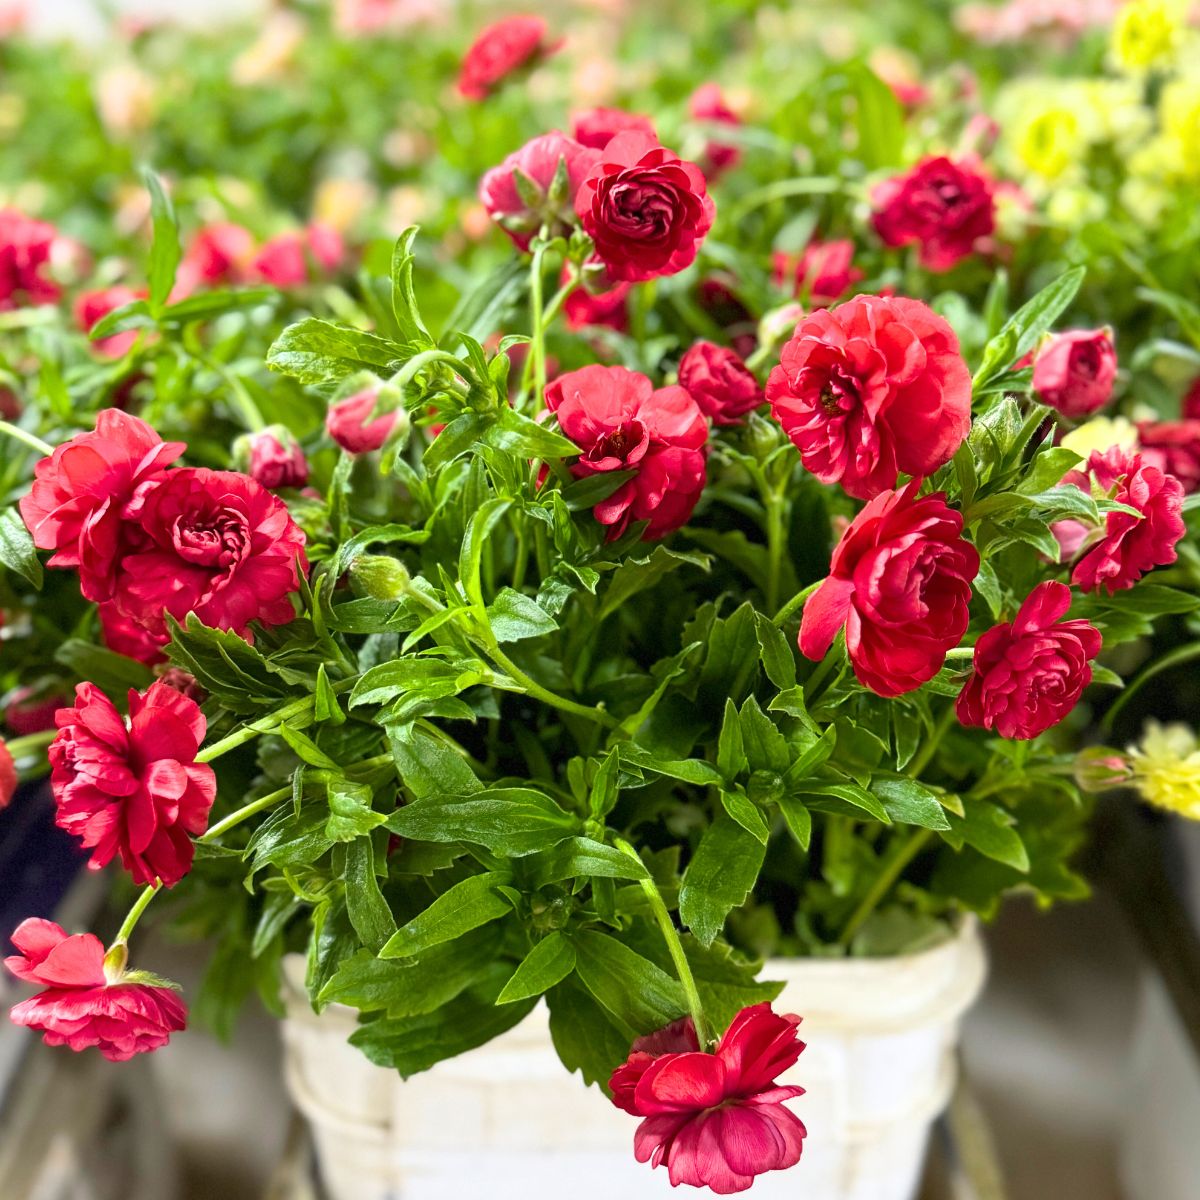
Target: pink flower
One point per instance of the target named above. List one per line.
(900, 584)
(277, 460)
(92, 307)
(81, 1007)
(32, 709)
(1074, 372)
(8, 775)
(621, 423)
(715, 1120)
(944, 206)
(213, 543)
(596, 127)
(609, 308)
(81, 492)
(521, 195)
(220, 253)
(287, 261)
(125, 636)
(871, 388)
(823, 273)
(707, 104)
(1030, 674)
(350, 423)
(1115, 555)
(133, 787)
(719, 382)
(645, 208)
(500, 50)
(1174, 448)
(26, 247)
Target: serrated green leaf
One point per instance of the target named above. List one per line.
(720, 876)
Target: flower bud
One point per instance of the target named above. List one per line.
(272, 457)
(116, 958)
(362, 421)
(379, 577)
(1099, 768)
(779, 323)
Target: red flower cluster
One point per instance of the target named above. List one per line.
(26, 247)
(1074, 372)
(715, 1120)
(81, 1007)
(224, 254)
(1029, 675)
(822, 274)
(220, 253)
(621, 423)
(900, 584)
(609, 308)
(871, 388)
(720, 383)
(500, 50)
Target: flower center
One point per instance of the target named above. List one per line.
(621, 443)
(219, 541)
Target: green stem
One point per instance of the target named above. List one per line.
(776, 504)
(135, 913)
(30, 743)
(923, 756)
(671, 936)
(535, 689)
(32, 441)
(537, 348)
(795, 602)
(268, 724)
(245, 812)
(900, 854)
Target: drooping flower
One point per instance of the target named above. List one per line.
(501, 49)
(715, 1120)
(26, 247)
(81, 492)
(274, 458)
(871, 388)
(823, 273)
(620, 422)
(128, 637)
(609, 308)
(596, 127)
(82, 1005)
(213, 543)
(8, 775)
(133, 787)
(1028, 675)
(1074, 372)
(350, 422)
(719, 382)
(289, 260)
(900, 585)
(708, 104)
(1166, 768)
(646, 209)
(945, 207)
(92, 307)
(1116, 554)
(1174, 448)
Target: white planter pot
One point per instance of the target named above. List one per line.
(880, 1065)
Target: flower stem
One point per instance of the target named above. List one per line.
(245, 812)
(921, 761)
(31, 440)
(30, 743)
(248, 732)
(795, 602)
(535, 689)
(537, 348)
(775, 539)
(900, 853)
(135, 913)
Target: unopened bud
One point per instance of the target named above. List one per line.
(379, 577)
(1099, 768)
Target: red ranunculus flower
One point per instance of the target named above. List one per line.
(720, 382)
(707, 104)
(1074, 372)
(609, 308)
(286, 260)
(215, 543)
(26, 246)
(1115, 555)
(277, 460)
(92, 307)
(646, 209)
(596, 127)
(350, 424)
(127, 637)
(81, 1007)
(133, 787)
(1030, 674)
(715, 1120)
(900, 583)
(80, 494)
(31, 709)
(621, 423)
(522, 215)
(823, 273)
(499, 51)
(220, 253)
(8, 775)
(1190, 408)
(944, 206)
(871, 388)
(1174, 448)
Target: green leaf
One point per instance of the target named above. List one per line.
(108, 670)
(720, 876)
(687, 770)
(581, 858)
(350, 813)
(731, 749)
(307, 750)
(290, 839)
(368, 910)
(429, 765)
(766, 747)
(775, 650)
(320, 352)
(849, 793)
(17, 551)
(404, 297)
(734, 547)
(987, 827)
(226, 666)
(545, 966)
(481, 311)
(745, 812)
(470, 559)
(910, 802)
(400, 676)
(513, 617)
(585, 1035)
(637, 575)
(165, 252)
(467, 905)
(326, 708)
(798, 820)
(879, 119)
(517, 434)
(635, 991)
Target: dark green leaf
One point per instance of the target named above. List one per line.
(720, 876)
(368, 910)
(472, 902)
(546, 965)
(635, 991)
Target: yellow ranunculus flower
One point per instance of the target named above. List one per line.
(1100, 434)
(1051, 142)
(1145, 34)
(1166, 768)
(1179, 114)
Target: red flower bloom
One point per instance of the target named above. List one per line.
(286, 261)
(133, 787)
(350, 424)
(822, 274)
(220, 253)
(621, 423)
(715, 1120)
(127, 637)
(870, 388)
(81, 492)
(521, 209)
(277, 461)
(1190, 408)
(1074, 372)
(1117, 554)
(646, 209)
(1030, 674)
(8, 775)
(707, 104)
(946, 207)
(596, 127)
(720, 382)
(92, 307)
(26, 246)
(81, 1007)
(500, 50)
(900, 583)
(32, 709)
(214, 543)
(609, 308)
(1174, 448)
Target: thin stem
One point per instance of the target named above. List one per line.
(671, 936)
(795, 602)
(921, 760)
(135, 913)
(245, 812)
(248, 732)
(31, 440)
(832, 659)
(537, 348)
(775, 538)
(30, 743)
(900, 854)
(535, 689)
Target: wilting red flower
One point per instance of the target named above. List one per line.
(350, 424)
(1174, 448)
(609, 308)
(26, 246)
(215, 543)
(707, 104)
(1029, 675)
(871, 388)
(1115, 555)
(596, 127)
(621, 423)
(646, 209)
(900, 583)
(522, 206)
(276, 459)
(715, 1120)
(500, 50)
(133, 787)
(126, 636)
(80, 494)
(1074, 372)
(92, 307)
(81, 1006)
(31, 709)
(823, 273)
(8, 775)
(220, 253)
(720, 382)
(286, 261)
(944, 206)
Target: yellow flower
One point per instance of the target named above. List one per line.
(1100, 434)
(1166, 768)
(1179, 114)
(1051, 142)
(1145, 34)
